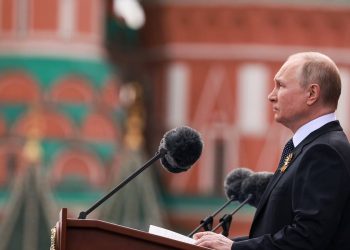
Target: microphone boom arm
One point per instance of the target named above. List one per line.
(225, 221)
(207, 223)
(157, 156)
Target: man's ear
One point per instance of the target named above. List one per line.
(314, 93)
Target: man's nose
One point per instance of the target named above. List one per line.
(272, 96)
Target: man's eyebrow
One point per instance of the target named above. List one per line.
(277, 80)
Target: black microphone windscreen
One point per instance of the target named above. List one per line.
(255, 185)
(183, 146)
(233, 181)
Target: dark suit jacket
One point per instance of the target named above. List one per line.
(308, 206)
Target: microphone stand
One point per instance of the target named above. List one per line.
(159, 154)
(207, 223)
(225, 221)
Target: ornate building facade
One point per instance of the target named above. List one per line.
(60, 115)
(73, 124)
(212, 64)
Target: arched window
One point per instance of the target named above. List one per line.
(79, 165)
(72, 90)
(98, 127)
(48, 123)
(17, 87)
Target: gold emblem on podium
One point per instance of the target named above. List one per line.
(53, 238)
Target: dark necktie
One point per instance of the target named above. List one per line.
(288, 148)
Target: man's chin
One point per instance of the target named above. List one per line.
(277, 118)
(281, 121)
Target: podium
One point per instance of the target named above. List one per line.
(75, 234)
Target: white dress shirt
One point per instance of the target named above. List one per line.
(311, 126)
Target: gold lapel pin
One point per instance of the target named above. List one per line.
(286, 163)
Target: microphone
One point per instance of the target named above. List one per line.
(255, 185)
(233, 181)
(232, 185)
(179, 149)
(251, 191)
(184, 146)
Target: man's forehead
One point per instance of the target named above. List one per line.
(292, 64)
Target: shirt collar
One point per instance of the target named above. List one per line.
(311, 126)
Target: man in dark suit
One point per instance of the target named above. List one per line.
(307, 203)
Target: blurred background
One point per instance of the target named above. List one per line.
(89, 87)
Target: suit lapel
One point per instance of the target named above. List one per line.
(332, 126)
(276, 178)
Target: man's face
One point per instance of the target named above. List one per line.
(288, 98)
